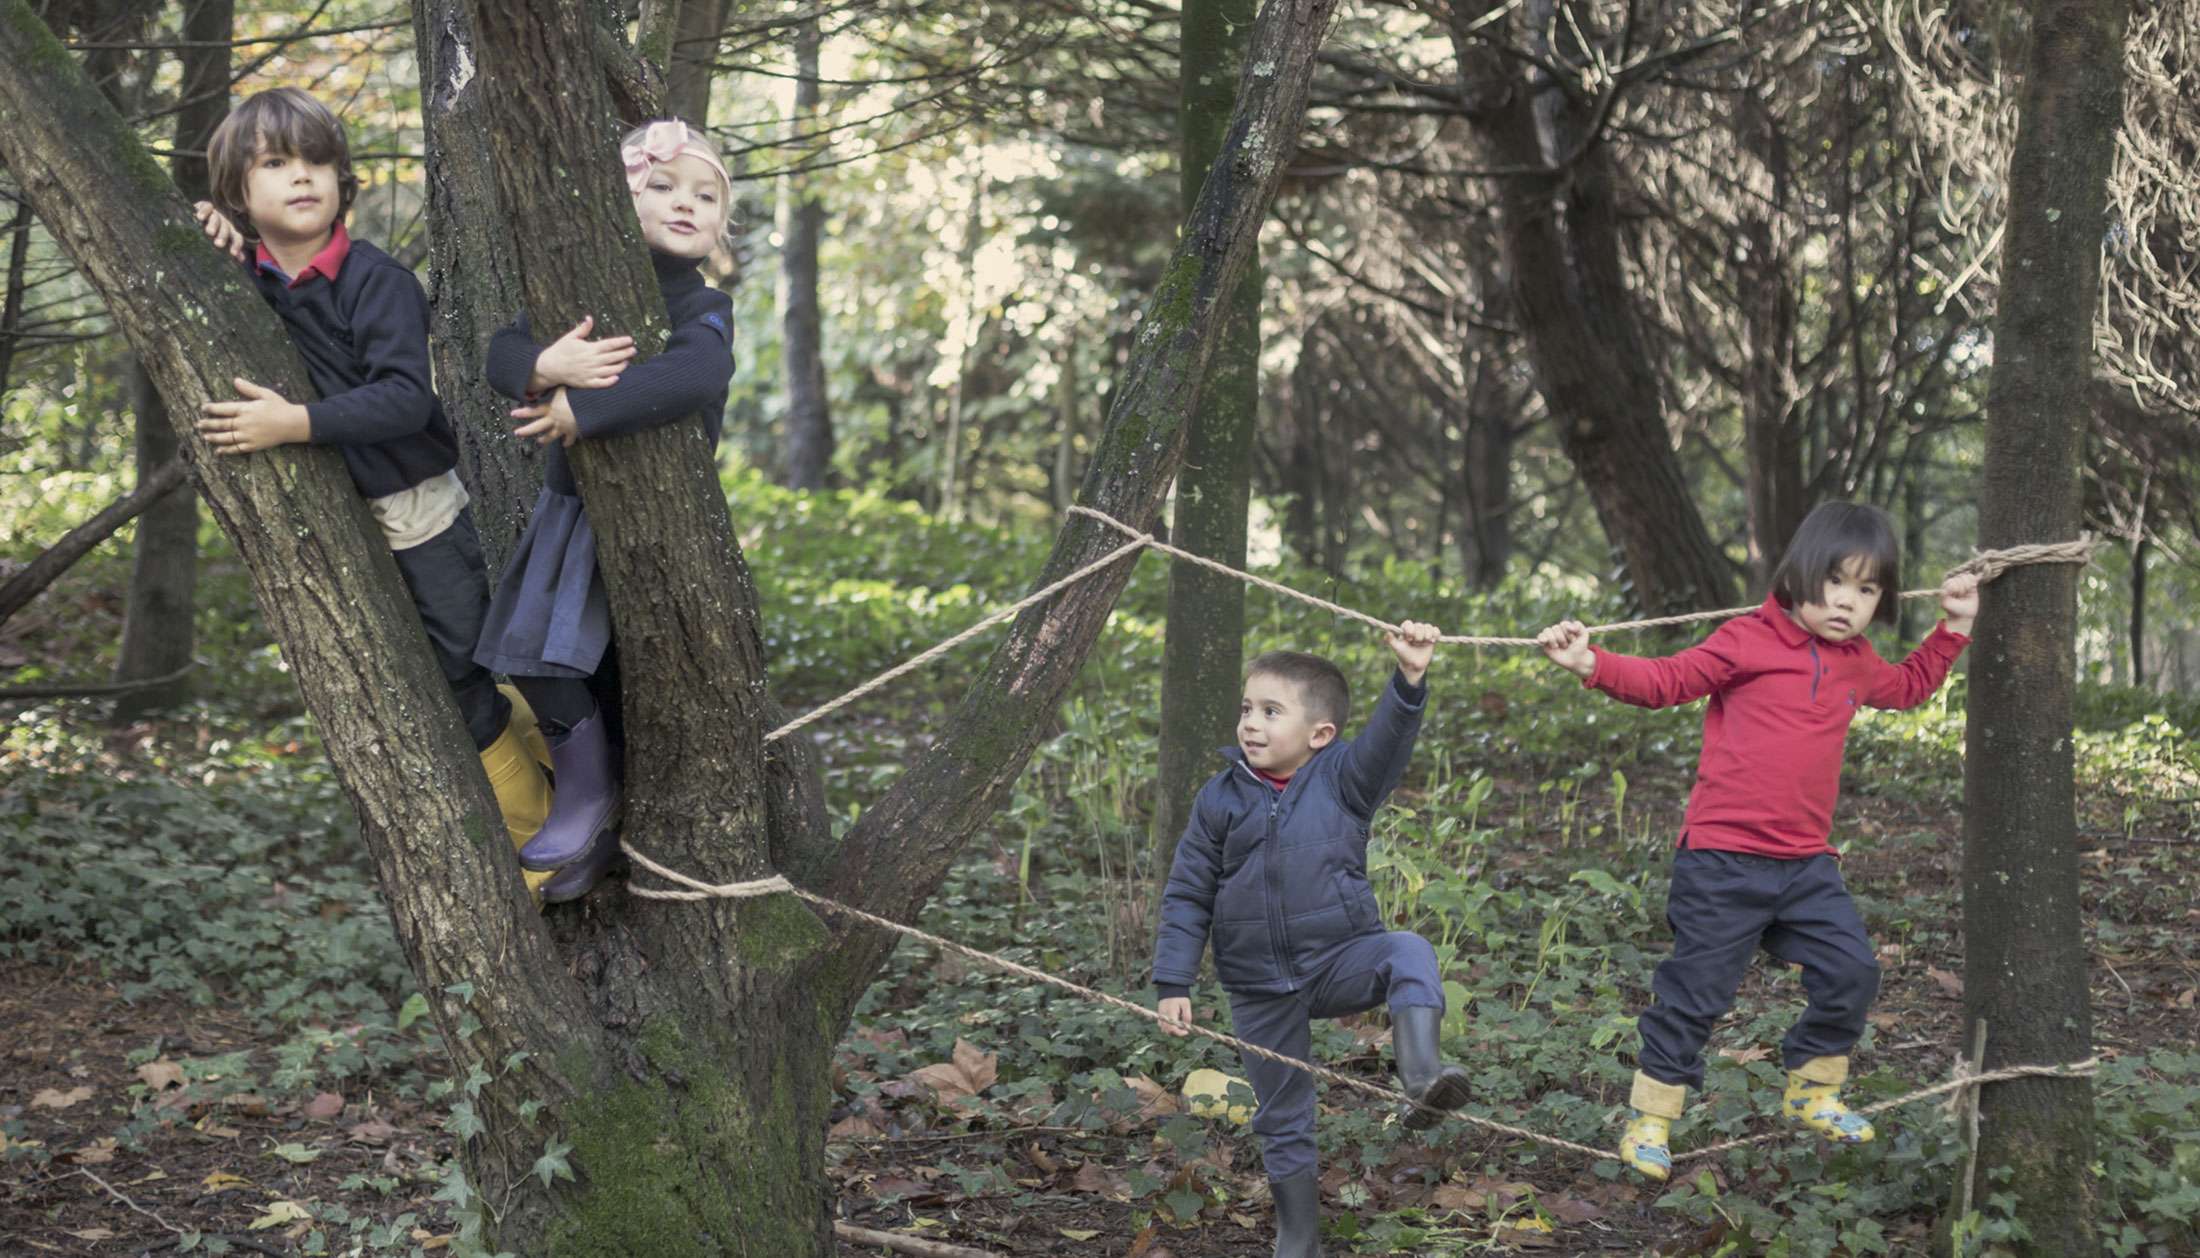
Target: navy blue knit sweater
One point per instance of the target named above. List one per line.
(364, 338)
(690, 374)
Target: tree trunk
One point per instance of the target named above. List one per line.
(801, 223)
(1205, 644)
(11, 304)
(2139, 606)
(327, 588)
(472, 286)
(1560, 234)
(157, 630)
(694, 62)
(2025, 956)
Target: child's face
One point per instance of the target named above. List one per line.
(1275, 731)
(290, 200)
(1845, 606)
(682, 207)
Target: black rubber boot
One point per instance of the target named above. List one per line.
(1298, 1215)
(1422, 1071)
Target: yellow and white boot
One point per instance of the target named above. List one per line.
(1643, 1145)
(1813, 1099)
(515, 774)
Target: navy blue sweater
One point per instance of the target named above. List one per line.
(1279, 878)
(364, 338)
(690, 374)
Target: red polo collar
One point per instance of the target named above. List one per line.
(326, 263)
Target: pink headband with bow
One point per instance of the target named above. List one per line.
(661, 143)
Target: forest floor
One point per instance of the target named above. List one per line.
(144, 1162)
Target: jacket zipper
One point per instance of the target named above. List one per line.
(1272, 878)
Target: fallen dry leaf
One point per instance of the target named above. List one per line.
(1755, 1052)
(1951, 985)
(93, 1234)
(324, 1106)
(55, 1098)
(953, 1082)
(161, 1074)
(98, 1151)
(373, 1131)
(223, 1181)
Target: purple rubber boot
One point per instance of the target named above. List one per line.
(581, 877)
(586, 804)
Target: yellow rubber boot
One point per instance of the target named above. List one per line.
(523, 795)
(1813, 1099)
(523, 723)
(1643, 1145)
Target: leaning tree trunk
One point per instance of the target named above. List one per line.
(694, 60)
(2025, 957)
(157, 628)
(327, 588)
(802, 352)
(1560, 233)
(1205, 643)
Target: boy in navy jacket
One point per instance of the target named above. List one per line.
(1273, 869)
(282, 185)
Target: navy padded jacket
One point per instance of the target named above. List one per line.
(1279, 878)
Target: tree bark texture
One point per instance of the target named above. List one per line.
(158, 634)
(2025, 957)
(1560, 233)
(473, 283)
(327, 587)
(1204, 647)
(809, 422)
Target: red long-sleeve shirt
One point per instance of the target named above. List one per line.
(1781, 702)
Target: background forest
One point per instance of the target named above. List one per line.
(1774, 282)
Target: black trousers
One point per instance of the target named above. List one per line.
(1723, 907)
(450, 587)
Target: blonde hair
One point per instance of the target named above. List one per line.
(694, 138)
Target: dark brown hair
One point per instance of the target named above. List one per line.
(280, 120)
(1830, 536)
(1322, 687)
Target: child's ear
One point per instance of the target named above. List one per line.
(1323, 735)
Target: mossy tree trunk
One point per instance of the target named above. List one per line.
(2025, 957)
(327, 588)
(1205, 643)
(680, 1051)
(1560, 230)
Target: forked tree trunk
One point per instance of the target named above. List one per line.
(2025, 957)
(1205, 643)
(327, 588)
(682, 1051)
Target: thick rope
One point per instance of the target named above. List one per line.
(777, 884)
(1138, 542)
(1987, 565)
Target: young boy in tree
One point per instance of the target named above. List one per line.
(282, 184)
(1273, 866)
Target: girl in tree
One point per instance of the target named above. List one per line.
(1754, 867)
(549, 625)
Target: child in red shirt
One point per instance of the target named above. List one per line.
(1754, 868)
